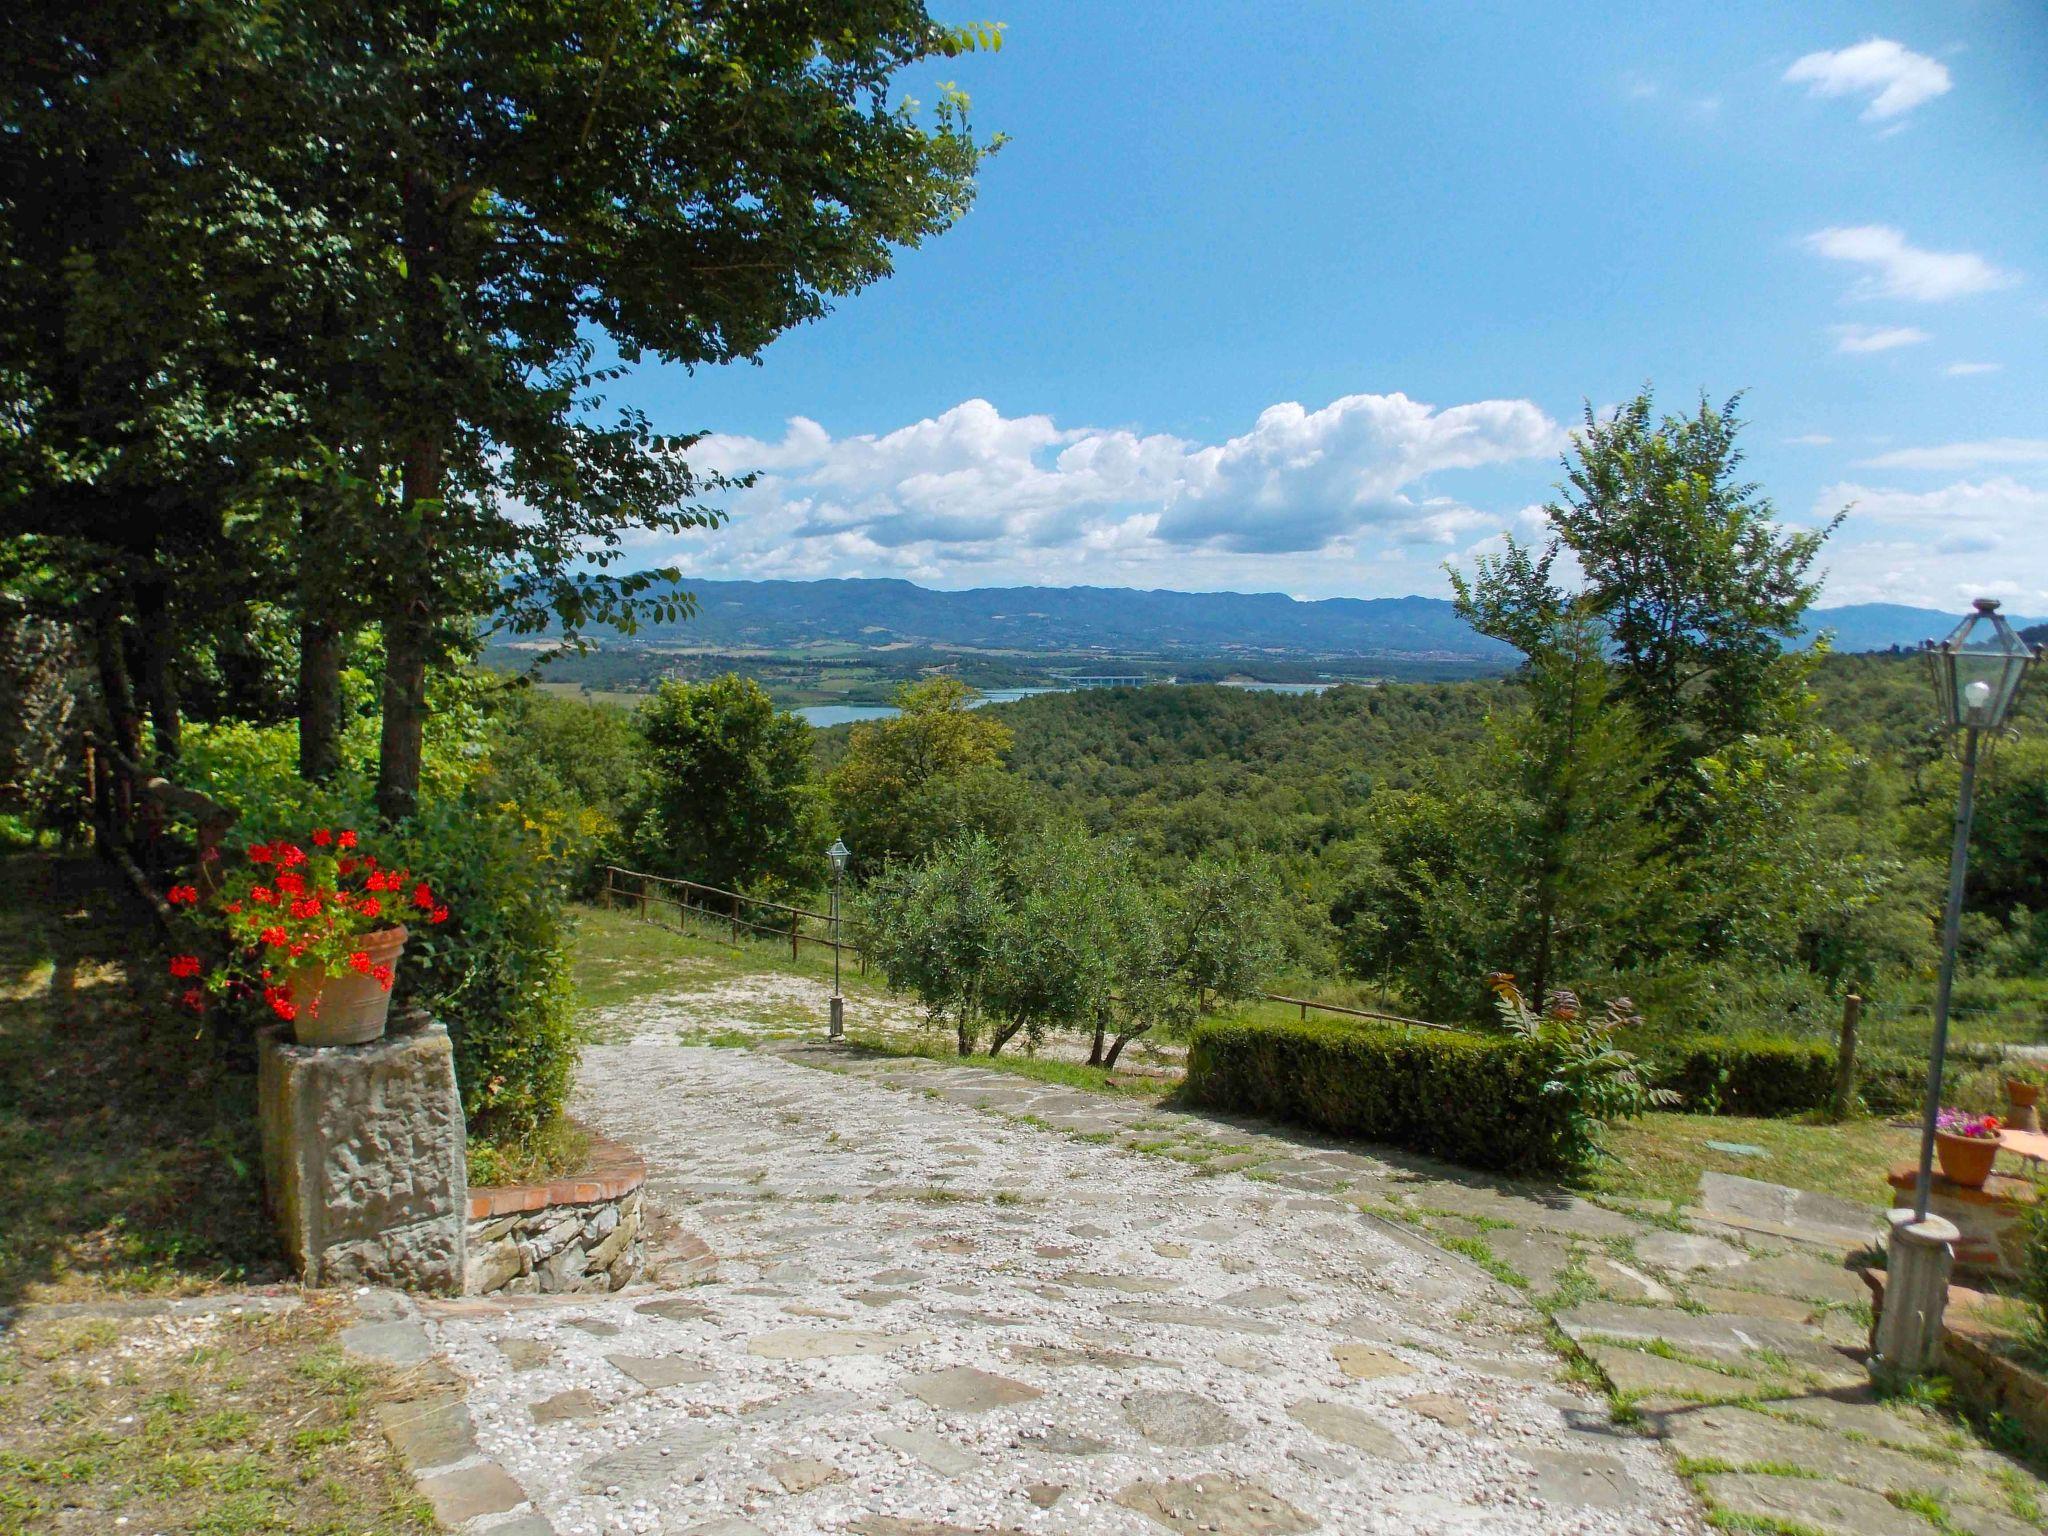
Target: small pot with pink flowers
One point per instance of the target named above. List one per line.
(314, 931)
(1967, 1145)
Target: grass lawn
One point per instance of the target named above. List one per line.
(620, 957)
(128, 1168)
(1661, 1156)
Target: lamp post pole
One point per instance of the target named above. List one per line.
(838, 854)
(1951, 930)
(1977, 670)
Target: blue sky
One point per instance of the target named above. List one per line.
(1304, 298)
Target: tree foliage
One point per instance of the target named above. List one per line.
(731, 798)
(908, 783)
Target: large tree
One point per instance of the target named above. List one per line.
(535, 186)
(468, 216)
(931, 773)
(1697, 586)
(732, 800)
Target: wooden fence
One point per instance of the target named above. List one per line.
(133, 811)
(713, 907)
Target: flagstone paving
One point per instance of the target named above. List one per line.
(950, 1299)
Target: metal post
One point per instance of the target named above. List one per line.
(1951, 926)
(837, 1027)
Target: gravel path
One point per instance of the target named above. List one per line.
(928, 1318)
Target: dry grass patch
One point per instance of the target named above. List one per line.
(215, 1425)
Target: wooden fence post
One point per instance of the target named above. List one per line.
(735, 920)
(607, 887)
(1845, 1058)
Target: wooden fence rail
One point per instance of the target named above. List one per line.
(132, 808)
(729, 916)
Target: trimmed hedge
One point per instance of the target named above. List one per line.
(1472, 1099)
(1772, 1076)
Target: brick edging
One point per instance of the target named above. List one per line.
(613, 1172)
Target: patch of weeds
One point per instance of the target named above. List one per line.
(1758, 1525)
(1933, 1393)
(1483, 1223)
(1773, 1361)
(1260, 1175)
(1664, 1349)
(1476, 1249)
(1928, 1507)
(2020, 1496)
(1575, 1287)
(1708, 1466)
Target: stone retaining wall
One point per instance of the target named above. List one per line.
(583, 1233)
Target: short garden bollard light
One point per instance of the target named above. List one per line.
(1977, 675)
(838, 853)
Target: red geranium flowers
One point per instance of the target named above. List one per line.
(303, 911)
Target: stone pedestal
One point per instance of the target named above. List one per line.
(1917, 1264)
(364, 1157)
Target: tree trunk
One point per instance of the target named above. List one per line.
(123, 719)
(319, 700)
(408, 637)
(1001, 1038)
(320, 647)
(1095, 1048)
(963, 1032)
(159, 681)
(1116, 1048)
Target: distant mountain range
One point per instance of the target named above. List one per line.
(1124, 621)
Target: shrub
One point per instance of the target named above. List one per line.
(1479, 1100)
(1773, 1076)
(496, 973)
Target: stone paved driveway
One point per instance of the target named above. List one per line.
(950, 1311)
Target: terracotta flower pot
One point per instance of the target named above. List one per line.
(2021, 1094)
(345, 1007)
(1965, 1160)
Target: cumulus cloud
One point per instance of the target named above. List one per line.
(1354, 479)
(1877, 338)
(1897, 269)
(1990, 450)
(1940, 547)
(1965, 370)
(1891, 75)
(2000, 500)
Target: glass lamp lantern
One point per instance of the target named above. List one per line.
(838, 853)
(1978, 669)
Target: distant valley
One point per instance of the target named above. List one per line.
(850, 641)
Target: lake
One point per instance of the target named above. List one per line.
(825, 715)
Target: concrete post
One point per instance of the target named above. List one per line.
(1919, 1257)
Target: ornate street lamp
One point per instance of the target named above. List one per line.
(1977, 674)
(837, 854)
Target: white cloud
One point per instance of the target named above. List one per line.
(1024, 498)
(1900, 270)
(1965, 370)
(2002, 500)
(1877, 338)
(1895, 78)
(1811, 439)
(1939, 548)
(1990, 450)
